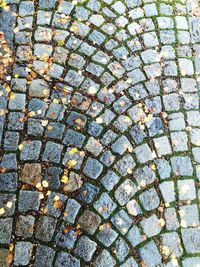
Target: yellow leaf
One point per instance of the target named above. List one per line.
(64, 179)
(100, 227)
(73, 151)
(61, 42)
(2, 211)
(20, 147)
(71, 163)
(16, 75)
(12, 96)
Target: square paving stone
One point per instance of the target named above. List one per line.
(97, 37)
(155, 126)
(130, 262)
(11, 141)
(76, 119)
(5, 230)
(191, 239)
(24, 226)
(39, 88)
(105, 205)
(45, 228)
(9, 162)
(3, 257)
(182, 166)
(52, 152)
(137, 134)
(47, 4)
(190, 262)
(144, 176)
(186, 66)
(71, 210)
(134, 236)
(173, 243)
(171, 102)
(55, 111)
(162, 146)
(168, 191)
(65, 238)
(110, 180)
(121, 249)
(28, 200)
(52, 175)
(191, 101)
(94, 129)
(88, 192)
(122, 221)
(95, 69)
(125, 191)
(76, 61)
(176, 122)
(121, 145)
(26, 9)
(108, 137)
(73, 78)
(55, 130)
(73, 138)
(143, 153)
(17, 102)
(37, 108)
(122, 123)
(196, 154)
(22, 253)
(133, 207)
(8, 182)
(89, 221)
(195, 136)
(75, 182)
(67, 260)
(43, 18)
(31, 173)
(30, 150)
(179, 141)
(151, 226)
(16, 121)
(171, 219)
(85, 248)
(35, 127)
(189, 215)
(44, 256)
(103, 259)
(106, 235)
(186, 189)
(163, 168)
(150, 255)
(92, 168)
(73, 160)
(107, 158)
(125, 165)
(55, 203)
(5, 201)
(149, 199)
(122, 104)
(193, 118)
(93, 146)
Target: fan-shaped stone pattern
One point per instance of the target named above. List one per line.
(100, 144)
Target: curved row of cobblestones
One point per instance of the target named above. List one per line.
(99, 131)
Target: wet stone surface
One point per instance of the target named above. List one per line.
(99, 133)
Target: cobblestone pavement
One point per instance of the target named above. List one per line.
(100, 134)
